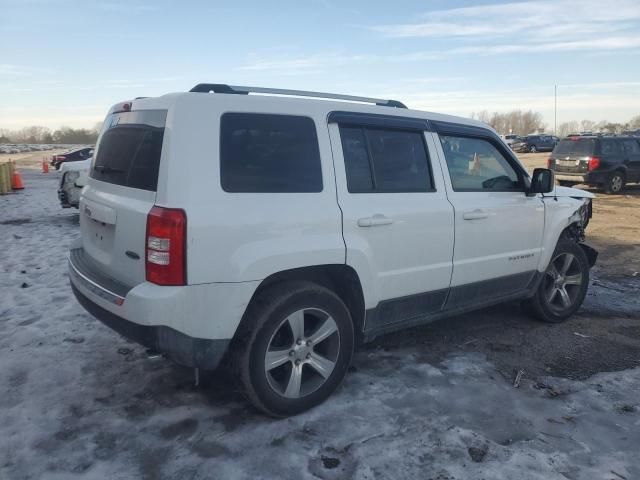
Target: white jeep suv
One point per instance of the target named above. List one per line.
(277, 231)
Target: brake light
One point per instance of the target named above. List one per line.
(122, 107)
(550, 162)
(594, 163)
(166, 252)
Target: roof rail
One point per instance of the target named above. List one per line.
(233, 89)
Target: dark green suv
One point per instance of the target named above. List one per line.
(607, 162)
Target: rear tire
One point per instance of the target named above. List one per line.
(564, 285)
(615, 183)
(296, 349)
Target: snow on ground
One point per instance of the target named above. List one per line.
(78, 401)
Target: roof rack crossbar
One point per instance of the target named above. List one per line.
(234, 89)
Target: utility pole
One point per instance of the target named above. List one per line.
(555, 110)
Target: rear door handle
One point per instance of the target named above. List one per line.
(374, 221)
(475, 215)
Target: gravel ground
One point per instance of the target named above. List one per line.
(438, 401)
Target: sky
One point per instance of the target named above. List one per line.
(65, 62)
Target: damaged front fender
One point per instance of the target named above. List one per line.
(566, 215)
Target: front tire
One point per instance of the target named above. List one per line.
(297, 348)
(564, 285)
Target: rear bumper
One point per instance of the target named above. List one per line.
(589, 178)
(181, 348)
(193, 324)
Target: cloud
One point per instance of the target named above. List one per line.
(550, 19)
(8, 70)
(128, 7)
(316, 63)
(306, 63)
(603, 43)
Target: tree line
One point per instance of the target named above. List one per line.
(36, 135)
(518, 122)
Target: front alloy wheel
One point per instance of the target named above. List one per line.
(562, 282)
(563, 285)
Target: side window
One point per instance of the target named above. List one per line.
(385, 160)
(269, 153)
(475, 164)
(356, 159)
(610, 147)
(631, 147)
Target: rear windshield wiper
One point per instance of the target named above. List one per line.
(107, 169)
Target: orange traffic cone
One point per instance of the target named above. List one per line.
(45, 166)
(16, 181)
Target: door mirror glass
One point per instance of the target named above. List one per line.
(542, 181)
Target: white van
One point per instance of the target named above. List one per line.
(277, 230)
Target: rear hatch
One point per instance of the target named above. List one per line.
(572, 155)
(120, 193)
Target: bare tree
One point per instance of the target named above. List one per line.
(634, 123)
(566, 128)
(587, 125)
(516, 121)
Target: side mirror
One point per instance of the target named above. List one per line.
(542, 181)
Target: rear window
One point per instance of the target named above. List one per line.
(269, 153)
(129, 148)
(580, 146)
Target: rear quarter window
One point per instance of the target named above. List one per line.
(265, 153)
(129, 149)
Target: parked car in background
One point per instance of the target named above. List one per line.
(75, 155)
(74, 177)
(534, 143)
(607, 162)
(510, 139)
(277, 231)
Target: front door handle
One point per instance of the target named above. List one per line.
(374, 221)
(475, 215)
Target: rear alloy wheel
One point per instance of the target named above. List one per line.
(298, 348)
(615, 184)
(564, 284)
(533, 149)
(299, 359)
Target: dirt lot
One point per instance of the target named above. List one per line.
(30, 160)
(615, 228)
(437, 401)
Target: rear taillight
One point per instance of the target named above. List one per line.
(60, 158)
(594, 163)
(122, 107)
(550, 162)
(166, 250)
